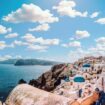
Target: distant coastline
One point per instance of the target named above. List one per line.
(28, 62)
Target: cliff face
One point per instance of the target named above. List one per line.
(49, 80)
(28, 95)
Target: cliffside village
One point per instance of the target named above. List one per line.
(84, 78)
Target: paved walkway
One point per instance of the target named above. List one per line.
(87, 101)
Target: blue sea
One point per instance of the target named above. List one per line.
(10, 75)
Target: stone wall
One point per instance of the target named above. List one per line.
(27, 95)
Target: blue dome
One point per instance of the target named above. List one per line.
(79, 79)
(86, 65)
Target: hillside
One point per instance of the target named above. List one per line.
(21, 62)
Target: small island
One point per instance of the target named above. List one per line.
(21, 62)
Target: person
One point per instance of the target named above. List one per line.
(80, 92)
(101, 100)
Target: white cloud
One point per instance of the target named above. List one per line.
(101, 40)
(48, 41)
(33, 43)
(101, 21)
(42, 27)
(67, 8)
(29, 38)
(4, 30)
(74, 55)
(30, 13)
(32, 39)
(82, 34)
(18, 57)
(19, 43)
(76, 44)
(94, 15)
(101, 44)
(5, 57)
(11, 35)
(37, 47)
(97, 50)
(2, 45)
(30, 46)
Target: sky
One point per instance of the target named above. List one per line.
(59, 30)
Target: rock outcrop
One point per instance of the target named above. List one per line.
(27, 95)
(49, 80)
(22, 81)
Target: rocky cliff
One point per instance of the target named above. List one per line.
(49, 80)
